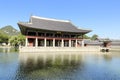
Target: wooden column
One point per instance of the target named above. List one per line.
(82, 43)
(26, 42)
(62, 43)
(69, 42)
(36, 42)
(44, 42)
(53, 42)
(76, 43)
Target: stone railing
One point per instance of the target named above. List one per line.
(48, 49)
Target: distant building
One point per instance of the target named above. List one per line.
(89, 42)
(103, 42)
(115, 42)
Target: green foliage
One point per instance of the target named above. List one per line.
(3, 38)
(86, 37)
(8, 33)
(94, 37)
(17, 40)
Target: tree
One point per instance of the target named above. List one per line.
(3, 38)
(86, 37)
(17, 40)
(94, 37)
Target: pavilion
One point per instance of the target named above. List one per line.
(47, 32)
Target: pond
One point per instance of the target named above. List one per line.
(59, 65)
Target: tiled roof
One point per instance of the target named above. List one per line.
(52, 24)
(90, 42)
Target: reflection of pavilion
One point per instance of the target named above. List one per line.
(53, 58)
(52, 66)
(45, 32)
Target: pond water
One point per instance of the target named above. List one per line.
(59, 66)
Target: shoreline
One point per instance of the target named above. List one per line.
(62, 49)
(6, 46)
(115, 48)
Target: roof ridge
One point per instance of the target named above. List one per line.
(50, 19)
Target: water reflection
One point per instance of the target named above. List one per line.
(60, 66)
(5, 50)
(107, 57)
(48, 65)
(8, 50)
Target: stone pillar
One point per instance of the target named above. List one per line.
(36, 42)
(53, 42)
(62, 43)
(69, 42)
(76, 43)
(44, 42)
(26, 42)
(82, 43)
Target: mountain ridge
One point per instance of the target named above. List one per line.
(9, 30)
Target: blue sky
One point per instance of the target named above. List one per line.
(102, 16)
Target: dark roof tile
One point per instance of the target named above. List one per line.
(52, 24)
